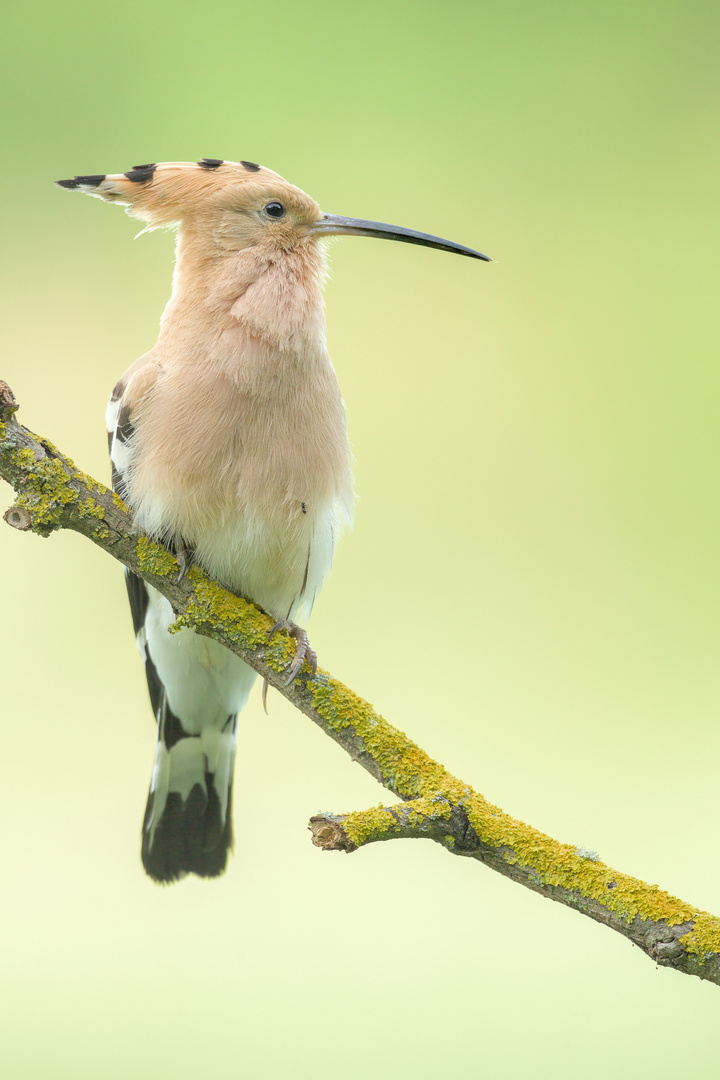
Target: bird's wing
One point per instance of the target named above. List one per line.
(196, 689)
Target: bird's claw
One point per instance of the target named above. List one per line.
(184, 558)
(303, 650)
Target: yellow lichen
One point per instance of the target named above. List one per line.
(365, 825)
(47, 490)
(155, 559)
(704, 938)
(237, 620)
(90, 508)
(382, 822)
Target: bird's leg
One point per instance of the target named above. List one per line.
(184, 556)
(303, 651)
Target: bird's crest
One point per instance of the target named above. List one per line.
(166, 193)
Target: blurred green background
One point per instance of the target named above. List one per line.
(532, 587)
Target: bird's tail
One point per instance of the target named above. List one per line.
(188, 820)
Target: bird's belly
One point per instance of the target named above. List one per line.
(277, 562)
(276, 555)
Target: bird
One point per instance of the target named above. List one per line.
(228, 443)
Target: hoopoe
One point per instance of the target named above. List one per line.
(228, 443)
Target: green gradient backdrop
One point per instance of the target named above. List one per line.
(532, 586)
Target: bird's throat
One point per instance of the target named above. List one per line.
(277, 300)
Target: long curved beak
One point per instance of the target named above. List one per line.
(333, 225)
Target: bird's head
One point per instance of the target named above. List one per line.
(228, 206)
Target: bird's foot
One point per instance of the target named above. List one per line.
(184, 556)
(303, 651)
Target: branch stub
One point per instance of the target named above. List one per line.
(8, 404)
(18, 516)
(329, 836)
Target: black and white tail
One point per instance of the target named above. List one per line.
(188, 818)
(196, 689)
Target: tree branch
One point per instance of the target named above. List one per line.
(53, 494)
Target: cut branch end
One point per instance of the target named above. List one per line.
(8, 404)
(329, 835)
(19, 518)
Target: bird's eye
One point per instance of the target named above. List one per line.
(275, 209)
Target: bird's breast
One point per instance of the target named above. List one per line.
(250, 468)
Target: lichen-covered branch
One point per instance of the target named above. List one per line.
(51, 493)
